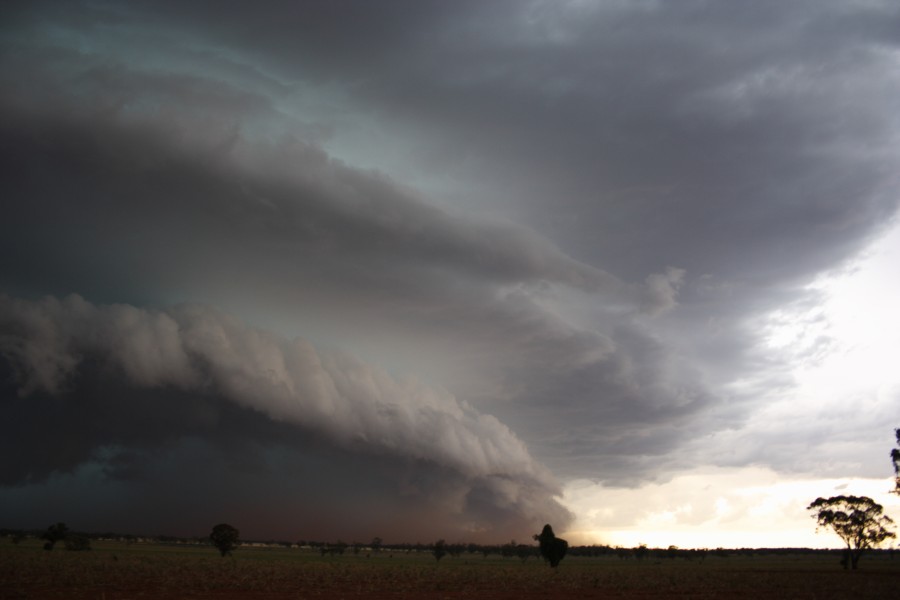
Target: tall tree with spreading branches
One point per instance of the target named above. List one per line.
(858, 520)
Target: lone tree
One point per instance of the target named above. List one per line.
(858, 521)
(225, 538)
(895, 456)
(439, 550)
(55, 533)
(553, 549)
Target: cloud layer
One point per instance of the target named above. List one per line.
(53, 347)
(580, 218)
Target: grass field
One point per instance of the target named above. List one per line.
(118, 571)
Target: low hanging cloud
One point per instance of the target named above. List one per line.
(52, 348)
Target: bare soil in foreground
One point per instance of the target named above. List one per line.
(115, 571)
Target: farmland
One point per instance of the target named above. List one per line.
(148, 571)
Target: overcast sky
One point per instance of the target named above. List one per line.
(421, 269)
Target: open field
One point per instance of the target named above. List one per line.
(117, 571)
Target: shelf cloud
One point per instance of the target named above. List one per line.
(458, 253)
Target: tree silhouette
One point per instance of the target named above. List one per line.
(55, 533)
(857, 520)
(439, 550)
(225, 538)
(553, 549)
(895, 457)
(523, 551)
(641, 552)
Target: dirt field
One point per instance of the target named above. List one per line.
(115, 571)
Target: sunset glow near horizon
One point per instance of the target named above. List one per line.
(754, 507)
(422, 270)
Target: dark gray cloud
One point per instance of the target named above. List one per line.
(102, 384)
(292, 206)
(577, 217)
(193, 349)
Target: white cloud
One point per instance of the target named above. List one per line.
(839, 413)
(713, 507)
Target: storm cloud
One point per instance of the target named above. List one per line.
(465, 244)
(87, 361)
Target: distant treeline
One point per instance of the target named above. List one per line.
(508, 550)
